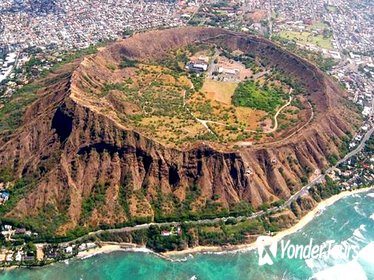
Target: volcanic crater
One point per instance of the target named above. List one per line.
(122, 135)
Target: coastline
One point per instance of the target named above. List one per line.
(280, 235)
(109, 247)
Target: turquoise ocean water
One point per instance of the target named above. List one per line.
(349, 221)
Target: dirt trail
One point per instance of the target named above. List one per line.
(280, 110)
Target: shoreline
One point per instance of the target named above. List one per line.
(306, 219)
(109, 247)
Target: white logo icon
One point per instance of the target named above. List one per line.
(267, 250)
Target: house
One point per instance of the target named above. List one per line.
(228, 71)
(197, 66)
(86, 246)
(69, 250)
(4, 197)
(18, 257)
(166, 233)
(7, 227)
(9, 258)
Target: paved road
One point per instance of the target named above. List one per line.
(320, 177)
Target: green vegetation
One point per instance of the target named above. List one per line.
(69, 57)
(48, 220)
(307, 37)
(331, 8)
(325, 64)
(170, 208)
(197, 81)
(109, 87)
(173, 65)
(241, 208)
(163, 243)
(6, 174)
(320, 191)
(333, 159)
(127, 32)
(125, 194)
(277, 203)
(222, 233)
(12, 111)
(94, 200)
(369, 144)
(247, 94)
(17, 192)
(344, 145)
(32, 63)
(128, 63)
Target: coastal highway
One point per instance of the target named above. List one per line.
(294, 197)
(318, 179)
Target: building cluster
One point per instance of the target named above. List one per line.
(6, 65)
(357, 172)
(11, 233)
(351, 21)
(22, 251)
(353, 24)
(32, 254)
(357, 75)
(77, 24)
(18, 251)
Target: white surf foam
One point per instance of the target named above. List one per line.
(359, 211)
(357, 233)
(370, 195)
(347, 271)
(367, 253)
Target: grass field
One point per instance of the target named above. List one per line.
(307, 38)
(219, 91)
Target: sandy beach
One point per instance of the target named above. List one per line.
(108, 247)
(280, 235)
